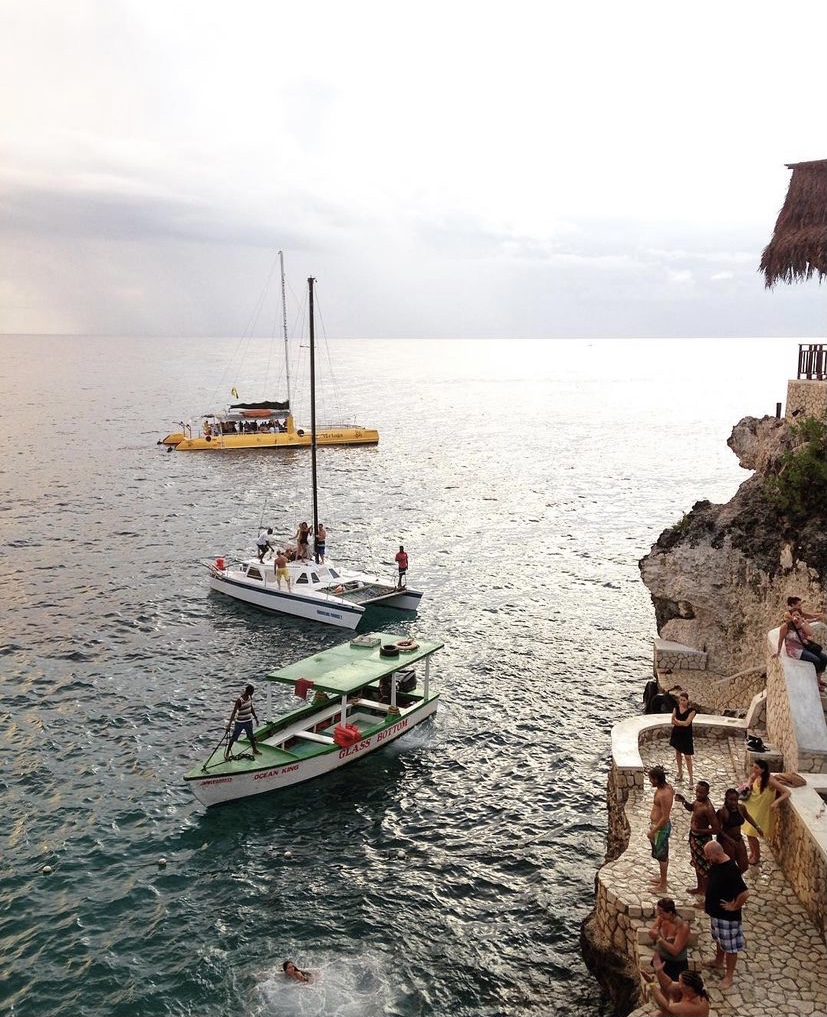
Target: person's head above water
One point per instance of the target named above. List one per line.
(290, 969)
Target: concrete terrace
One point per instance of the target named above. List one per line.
(782, 970)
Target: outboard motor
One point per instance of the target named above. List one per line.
(405, 681)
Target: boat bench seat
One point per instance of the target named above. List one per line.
(371, 704)
(278, 738)
(313, 737)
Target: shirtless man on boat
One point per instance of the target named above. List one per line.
(280, 567)
(660, 824)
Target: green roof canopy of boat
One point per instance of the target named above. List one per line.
(344, 669)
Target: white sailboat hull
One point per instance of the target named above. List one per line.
(310, 605)
(225, 787)
(322, 593)
(404, 600)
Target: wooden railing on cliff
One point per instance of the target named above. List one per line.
(812, 362)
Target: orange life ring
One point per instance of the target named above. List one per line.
(406, 645)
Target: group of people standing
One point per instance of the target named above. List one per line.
(719, 856)
(302, 538)
(301, 552)
(723, 843)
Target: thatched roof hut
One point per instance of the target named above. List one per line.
(798, 248)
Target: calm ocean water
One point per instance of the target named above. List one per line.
(446, 874)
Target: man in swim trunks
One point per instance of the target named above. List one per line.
(660, 825)
(319, 543)
(702, 827)
(280, 565)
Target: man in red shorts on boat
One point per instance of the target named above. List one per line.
(401, 559)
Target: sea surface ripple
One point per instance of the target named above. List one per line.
(447, 873)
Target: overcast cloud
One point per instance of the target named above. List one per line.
(444, 169)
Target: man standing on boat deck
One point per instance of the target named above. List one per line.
(401, 559)
(243, 714)
(263, 543)
(281, 568)
(319, 543)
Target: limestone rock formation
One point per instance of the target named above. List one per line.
(719, 579)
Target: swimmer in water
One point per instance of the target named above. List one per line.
(290, 969)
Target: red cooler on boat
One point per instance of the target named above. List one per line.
(346, 734)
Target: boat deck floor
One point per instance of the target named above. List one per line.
(308, 736)
(270, 756)
(368, 593)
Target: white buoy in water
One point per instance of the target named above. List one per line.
(162, 863)
(47, 870)
(288, 853)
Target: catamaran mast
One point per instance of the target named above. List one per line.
(284, 326)
(310, 315)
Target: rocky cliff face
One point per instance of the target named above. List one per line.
(720, 578)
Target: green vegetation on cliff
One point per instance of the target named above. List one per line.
(798, 490)
(785, 506)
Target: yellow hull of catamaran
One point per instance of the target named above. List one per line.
(279, 439)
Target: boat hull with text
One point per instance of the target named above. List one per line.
(323, 593)
(358, 708)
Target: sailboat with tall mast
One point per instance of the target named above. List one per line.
(314, 589)
(262, 425)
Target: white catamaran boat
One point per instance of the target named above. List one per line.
(319, 592)
(323, 593)
(366, 694)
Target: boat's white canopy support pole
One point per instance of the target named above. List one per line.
(343, 720)
(393, 708)
(269, 701)
(427, 675)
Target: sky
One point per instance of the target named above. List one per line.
(453, 169)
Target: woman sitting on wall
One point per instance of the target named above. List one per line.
(669, 934)
(796, 637)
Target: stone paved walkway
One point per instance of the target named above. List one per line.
(782, 971)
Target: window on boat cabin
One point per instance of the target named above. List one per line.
(254, 573)
(302, 579)
(314, 577)
(334, 573)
